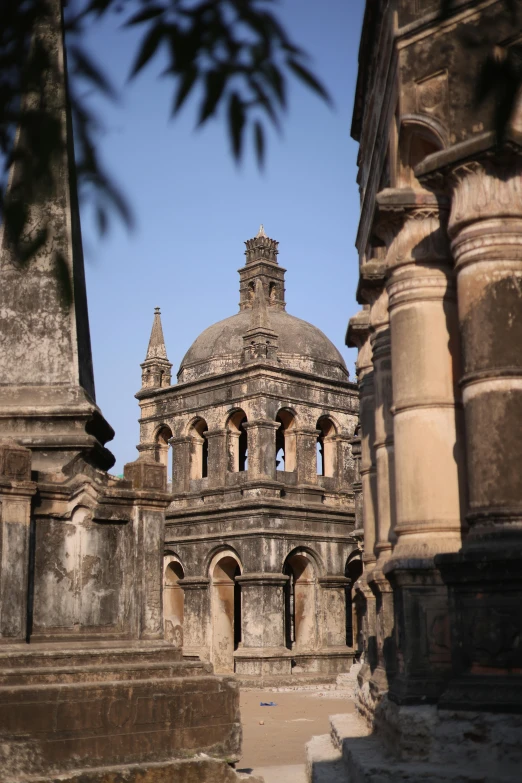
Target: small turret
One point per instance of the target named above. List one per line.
(261, 264)
(156, 370)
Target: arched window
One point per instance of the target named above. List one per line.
(326, 447)
(164, 451)
(285, 441)
(300, 602)
(199, 450)
(226, 610)
(416, 142)
(237, 442)
(173, 600)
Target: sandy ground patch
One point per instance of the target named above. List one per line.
(298, 716)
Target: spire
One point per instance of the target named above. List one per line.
(156, 370)
(47, 397)
(261, 232)
(156, 349)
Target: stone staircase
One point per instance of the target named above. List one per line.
(452, 744)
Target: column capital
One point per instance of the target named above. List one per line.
(333, 581)
(267, 423)
(194, 582)
(484, 189)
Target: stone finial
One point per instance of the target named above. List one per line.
(261, 248)
(156, 349)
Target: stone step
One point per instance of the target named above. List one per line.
(288, 682)
(61, 656)
(364, 758)
(101, 673)
(324, 762)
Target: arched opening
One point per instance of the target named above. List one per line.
(173, 600)
(226, 611)
(326, 447)
(285, 441)
(237, 442)
(199, 450)
(416, 142)
(300, 602)
(164, 451)
(352, 571)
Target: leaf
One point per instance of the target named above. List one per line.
(236, 123)
(308, 78)
(186, 83)
(101, 220)
(143, 16)
(148, 48)
(215, 84)
(259, 140)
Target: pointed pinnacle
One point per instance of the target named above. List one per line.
(156, 349)
(261, 232)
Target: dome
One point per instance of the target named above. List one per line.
(262, 331)
(301, 346)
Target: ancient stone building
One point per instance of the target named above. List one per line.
(259, 535)
(440, 378)
(88, 686)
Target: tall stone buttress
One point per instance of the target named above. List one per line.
(47, 396)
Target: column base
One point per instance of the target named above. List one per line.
(262, 661)
(485, 592)
(422, 631)
(421, 743)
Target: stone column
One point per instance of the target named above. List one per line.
(263, 648)
(180, 464)
(359, 336)
(428, 440)
(485, 578)
(385, 474)
(196, 615)
(261, 448)
(16, 492)
(306, 455)
(217, 457)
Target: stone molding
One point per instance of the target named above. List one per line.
(194, 582)
(261, 578)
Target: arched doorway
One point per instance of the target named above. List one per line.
(300, 602)
(352, 571)
(225, 610)
(173, 600)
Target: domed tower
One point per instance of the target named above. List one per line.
(259, 534)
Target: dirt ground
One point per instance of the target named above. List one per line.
(286, 728)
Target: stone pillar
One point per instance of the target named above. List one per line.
(485, 578)
(263, 648)
(16, 492)
(149, 481)
(385, 474)
(357, 485)
(359, 336)
(217, 457)
(428, 440)
(180, 464)
(306, 455)
(333, 594)
(196, 615)
(261, 448)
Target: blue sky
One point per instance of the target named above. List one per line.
(195, 207)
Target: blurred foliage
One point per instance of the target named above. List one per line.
(235, 53)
